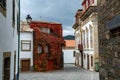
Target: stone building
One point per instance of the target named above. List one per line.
(78, 39)
(109, 39)
(87, 40)
(9, 24)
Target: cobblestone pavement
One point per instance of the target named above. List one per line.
(70, 72)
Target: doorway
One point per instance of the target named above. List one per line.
(25, 65)
(7, 68)
(88, 62)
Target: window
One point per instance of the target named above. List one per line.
(73, 53)
(25, 45)
(115, 32)
(13, 14)
(91, 37)
(3, 7)
(46, 49)
(83, 38)
(87, 43)
(18, 22)
(3, 3)
(91, 61)
(84, 56)
(39, 49)
(45, 30)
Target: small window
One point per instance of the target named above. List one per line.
(115, 32)
(13, 14)
(45, 30)
(39, 49)
(73, 53)
(46, 49)
(25, 45)
(84, 56)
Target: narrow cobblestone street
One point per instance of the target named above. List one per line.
(70, 72)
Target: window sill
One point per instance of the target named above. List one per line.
(25, 50)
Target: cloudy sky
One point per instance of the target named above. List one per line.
(61, 11)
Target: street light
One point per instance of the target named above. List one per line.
(28, 18)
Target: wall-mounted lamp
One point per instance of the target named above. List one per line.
(28, 18)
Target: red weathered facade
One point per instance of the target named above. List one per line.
(47, 47)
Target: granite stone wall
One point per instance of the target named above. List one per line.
(109, 47)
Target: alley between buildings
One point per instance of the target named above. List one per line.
(70, 72)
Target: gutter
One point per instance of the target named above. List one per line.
(18, 25)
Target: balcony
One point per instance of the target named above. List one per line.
(80, 47)
(88, 11)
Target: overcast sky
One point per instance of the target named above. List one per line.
(61, 11)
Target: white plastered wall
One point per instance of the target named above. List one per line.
(8, 37)
(27, 54)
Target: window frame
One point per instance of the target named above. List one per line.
(84, 56)
(26, 42)
(91, 61)
(91, 37)
(39, 50)
(13, 14)
(45, 30)
(46, 49)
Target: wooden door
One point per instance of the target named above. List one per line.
(7, 68)
(50, 65)
(25, 65)
(81, 59)
(14, 66)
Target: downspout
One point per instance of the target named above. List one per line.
(18, 37)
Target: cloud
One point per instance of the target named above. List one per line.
(68, 32)
(62, 11)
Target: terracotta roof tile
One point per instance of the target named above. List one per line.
(45, 22)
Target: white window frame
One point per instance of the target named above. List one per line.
(25, 45)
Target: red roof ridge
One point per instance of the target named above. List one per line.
(45, 22)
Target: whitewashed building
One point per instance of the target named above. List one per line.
(26, 47)
(68, 51)
(88, 30)
(9, 39)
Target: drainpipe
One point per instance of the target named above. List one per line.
(18, 25)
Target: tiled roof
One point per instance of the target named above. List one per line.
(24, 27)
(70, 43)
(45, 22)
